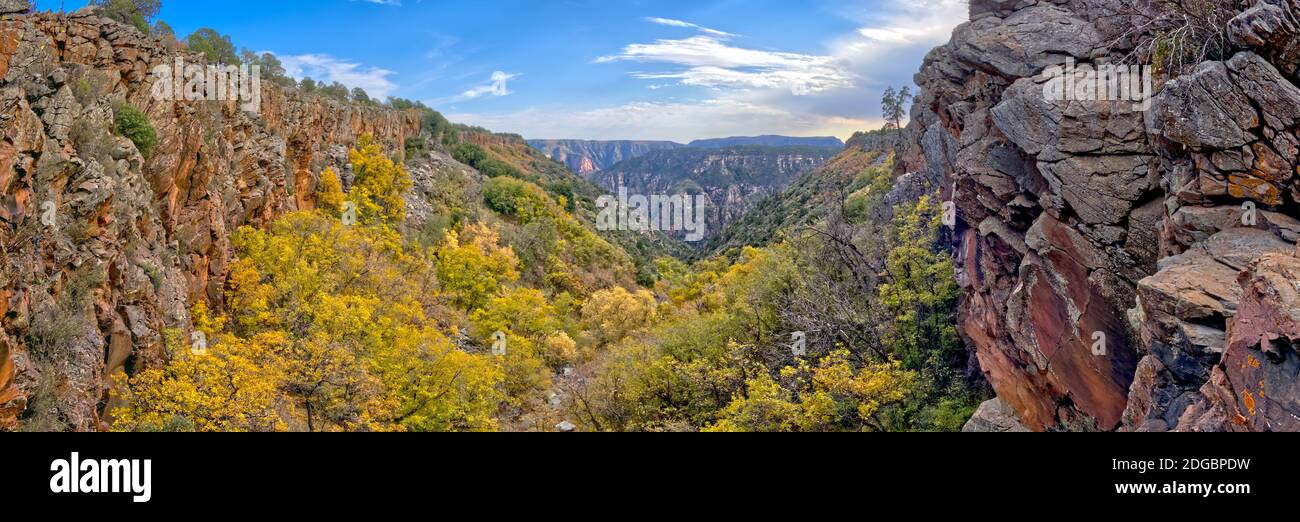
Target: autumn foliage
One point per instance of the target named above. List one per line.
(516, 316)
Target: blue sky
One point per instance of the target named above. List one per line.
(601, 69)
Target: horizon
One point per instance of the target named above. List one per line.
(688, 143)
(677, 71)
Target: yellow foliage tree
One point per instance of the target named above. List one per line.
(228, 386)
(615, 313)
(380, 186)
(329, 194)
(352, 300)
(327, 331)
(833, 395)
(473, 267)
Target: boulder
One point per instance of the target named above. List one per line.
(15, 6)
(994, 416)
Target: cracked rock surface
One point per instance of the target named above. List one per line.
(1124, 269)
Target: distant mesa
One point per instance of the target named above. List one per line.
(586, 157)
(827, 142)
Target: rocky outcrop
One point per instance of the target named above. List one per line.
(994, 416)
(14, 6)
(104, 248)
(1108, 249)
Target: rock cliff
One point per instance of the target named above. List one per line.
(104, 247)
(1124, 267)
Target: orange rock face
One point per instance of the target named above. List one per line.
(131, 242)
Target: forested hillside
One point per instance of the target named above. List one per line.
(849, 178)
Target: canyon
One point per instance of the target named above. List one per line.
(734, 179)
(1121, 269)
(587, 157)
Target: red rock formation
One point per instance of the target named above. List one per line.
(1082, 221)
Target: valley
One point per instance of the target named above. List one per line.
(984, 256)
(733, 179)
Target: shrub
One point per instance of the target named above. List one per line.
(134, 12)
(512, 197)
(42, 414)
(135, 126)
(469, 154)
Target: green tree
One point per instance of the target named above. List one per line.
(273, 70)
(164, 32)
(137, 13)
(894, 106)
(920, 290)
(216, 46)
(335, 90)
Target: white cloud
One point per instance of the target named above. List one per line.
(752, 91)
(902, 25)
(680, 121)
(709, 61)
(678, 23)
(885, 49)
(328, 69)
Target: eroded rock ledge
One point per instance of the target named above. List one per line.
(1123, 269)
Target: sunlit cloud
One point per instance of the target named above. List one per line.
(710, 61)
(729, 88)
(680, 121)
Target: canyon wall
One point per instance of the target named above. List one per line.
(587, 157)
(104, 248)
(1124, 267)
(735, 180)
